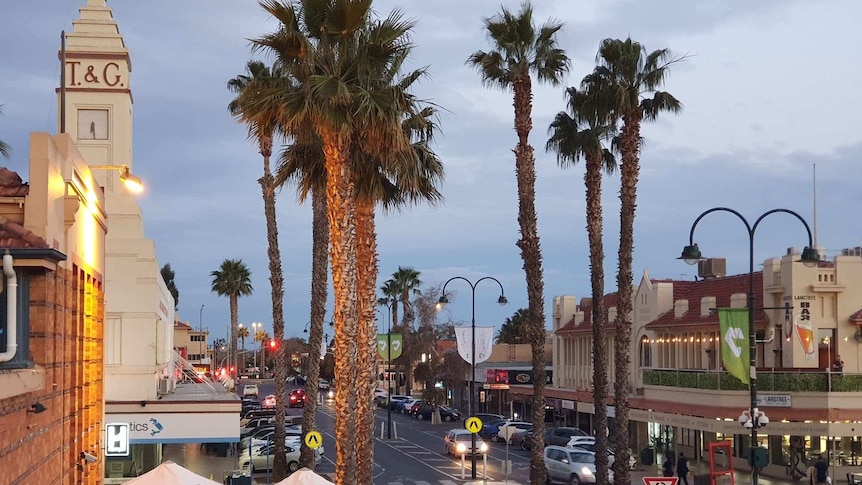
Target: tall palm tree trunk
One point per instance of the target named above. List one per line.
(276, 280)
(342, 253)
(234, 319)
(593, 182)
(366, 279)
(319, 263)
(531, 253)
(629, 171)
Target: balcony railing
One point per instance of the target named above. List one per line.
(767, 380)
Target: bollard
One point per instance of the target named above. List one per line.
(382, 425)
(463, 466)
(485, 466)
(395, 430)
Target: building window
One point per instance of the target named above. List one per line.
(197, 338)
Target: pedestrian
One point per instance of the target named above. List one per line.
(838, 365)
(682, 468)
(667, 468)
(821, 471)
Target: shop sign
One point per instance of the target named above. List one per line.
(525, 377)
(773, 400)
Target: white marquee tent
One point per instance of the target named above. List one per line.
(169, 473)
(304, 476)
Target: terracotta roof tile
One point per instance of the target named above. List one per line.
(720, 288)
(610, 300)
(182, 325)
(856, 317)
(13, 235)
(11, 184)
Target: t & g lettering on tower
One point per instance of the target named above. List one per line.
(105, 74)
(117, 439)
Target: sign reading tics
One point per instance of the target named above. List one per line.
(117, 439)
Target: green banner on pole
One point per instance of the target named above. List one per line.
(735, 356)
(383, 342)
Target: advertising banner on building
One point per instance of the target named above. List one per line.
(734, 342)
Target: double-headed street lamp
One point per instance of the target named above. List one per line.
(388, 305)
(442, 302)
(752, 418)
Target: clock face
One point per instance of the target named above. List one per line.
(92, 124)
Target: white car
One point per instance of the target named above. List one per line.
(249, 390)
(408, 403)
(575, 440)
(460, 441)
(261, 458)
(507, 429)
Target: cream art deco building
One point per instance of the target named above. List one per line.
(684, 399)
(87, 322)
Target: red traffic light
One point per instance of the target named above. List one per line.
(272, 344)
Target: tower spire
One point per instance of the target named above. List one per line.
(97, 3)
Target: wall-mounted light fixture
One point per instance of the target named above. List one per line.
(37, 408)
(133, 183)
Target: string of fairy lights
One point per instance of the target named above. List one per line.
(676, 340)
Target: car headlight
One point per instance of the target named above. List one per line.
(331, 395)
(460, 448)
(483, 447)
(586, 471)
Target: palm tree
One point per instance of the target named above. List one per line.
(337, 49)
(233, 280)
(243, 332)
(520, 51)
(5, 150)
(634, 77)
(514, 328)
(407, 281)
(390, 299)
(576, 134)
(262, 123)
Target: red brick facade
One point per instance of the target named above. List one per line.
(66, 335)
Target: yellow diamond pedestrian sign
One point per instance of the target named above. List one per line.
(474, 424)
(313, 440)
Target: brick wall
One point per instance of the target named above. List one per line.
(66, 337)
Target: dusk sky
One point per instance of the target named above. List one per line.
(769, 89)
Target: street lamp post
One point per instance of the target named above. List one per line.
(501, 301)
(255, 327)
(201, 337)
(388, 366)
(691, 255)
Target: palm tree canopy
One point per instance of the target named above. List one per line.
(5, 150)
(514, 329)
(635, 76)
(521, 48)
(253, 104)
(233, 278)
(582, 130)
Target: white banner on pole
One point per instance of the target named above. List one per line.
(323, 348)
(484, 343)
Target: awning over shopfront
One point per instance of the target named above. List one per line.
(179, 427)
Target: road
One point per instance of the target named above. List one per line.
(418, 454)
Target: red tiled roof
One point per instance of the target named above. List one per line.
(720, 288)
(856, 317)
(14, 236)
(11, 184)
(182, 325)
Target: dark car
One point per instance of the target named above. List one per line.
(297, 398)
(485, 417)
(553, 436)
(490, 429)
(446, 413)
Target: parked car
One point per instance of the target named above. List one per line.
(255, 413)
(511, 425)
(571, 465)
(249, 390)
(577, 440)
(446, 413)
(297, 398)
(460, 442)
(269, 401)
(489, 429)
(408, 404)
(415, 407)
(553, 436)
(485, 417)
(395, 400)
(323, 385)
(255, 423)
(261, 458)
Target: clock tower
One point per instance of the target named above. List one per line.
(96, 98)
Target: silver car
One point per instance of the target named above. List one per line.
(261, 458)
(571, 465)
